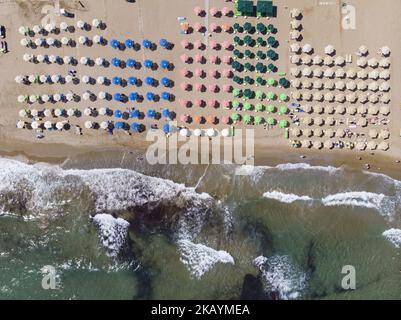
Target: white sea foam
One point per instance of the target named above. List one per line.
(200, 259)
(357, 199)
(113, 233)
(285, 197)
(305, 166)
(281, 276)
(394, 236)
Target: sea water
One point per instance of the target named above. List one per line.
(114, 227)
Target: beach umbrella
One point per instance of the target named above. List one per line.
(373, 86)
(374, 75)
(271, 121)
(119, 97)
(115, 44)
(150, 96)
(295, 59)
(295, 47)
(48, 125)
(149, 81)
(306, 72)
(306, 95)
(384, 110)
(362, 62)
(104, 125)
(307, 60)
(373, 134)
(103, 111)
(41, 58)
(295, 72)
(27, 57)
(133, 96)
(385, 75)
(385, 51)
(147, 44)
(84, 60)
(120, 125)
(307, 121)
(384, 134)
(35, 125)
(328, 61)
(82, 40)
(385, 98)
(85, 79)
(71, 112)
(22, 30)
(283, 110)
(88, 124)
(235, 116)
(361, 145)
(373, 63)
(317, 145)
(166, 128)
(362, 110)
(102, 95)
(55, 78)
(329, 50)
(283, 97)
(37, 29)
(317, 72)
(296, 132)
(384, 63)
(384, 146)
(99, 61)
(373, 110)
(283, 124)
(60, 126)
(329, 144)
(81, 24)
(116, 62)
(362, 86)
(23, 113)
(372, 145)
(307, 48)
(295, 24)
(47, 113)
(118, 114)
(248, 119)
(136, 127)
(373, 98)
(351, 85)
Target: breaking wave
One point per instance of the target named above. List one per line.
(285, 197)
(394, 236)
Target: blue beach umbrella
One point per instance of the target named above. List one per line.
(151, 114)
(129, 43)
(117, 81)
(118, 114)
(135, 127)
(164, 43)
(166, 128)
(165, 64)
(116, 62)
(166, 113)
(115, 44)
(118, 97)
(133, 96)
(132, 81)
(148, 64)
(134, 114)
(146, 43)
(166, 96)
(150, 96)
(119, 125)
(150, 81)
(131, 63)
(165, 82)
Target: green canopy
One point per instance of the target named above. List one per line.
(247, 106)
(283, 110)
(248, 80)
(236, 92)
(249, 94)
(283, 124)
(248, 40)
(237, 27)
(270, 28)
(258, 120)
(237, 40)
(236, 65)
(271, 82)
(271, 54)
(271, 95)
(235, 116)
(260, 81)
(283, 82)
(237, 53)
(271, 41)
(245, 7)
(235, 104)
(248, 27)
(271, 108)
(248, 66)
(260, 54)
(265, 8)
(260, 95)
(260, 67)
(271, 67)
(260, 27)
(283, 97)
(238, 80)
(248, 53)
(248, 119)
(271, 121)
(259, 107)
(260, 41)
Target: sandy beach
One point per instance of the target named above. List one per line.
(321, 26)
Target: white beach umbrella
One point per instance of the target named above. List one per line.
(295, 24)
(384, 134)
(86, 95)
(197, 132)
(363, 50)
(328, 144)
(318, 109)
(184, 132)
(52, 58)
(84, 60)
(373, 86)
(362, 86)
(24, 42)
(340, 85)
(317, 72)
(34, 112)
(351, 97)
(308, 121)
(48, 125)
(328, 61)
(306, 144)
(49, 27)
(296, 132)
(385, 75)
(361, 146)
(328, 73)
(35, 125)
(317, 84)
(362, 62)
(71, 112)
(351, 73)
(27, 57)
(69, 96)
(384, 63)
(306, 72)
(31, 78)
(295, 72)
(340, 73)
(39, 41)
(317, 145)
(225, 132)
(67, 59)
(374, 75)
(317, 96)
(340, 133)
(57, 97)
(307, 60)
(318, 121)
(373, 110)
(317, 60)
(41, 58)
(47, 113)
(37, 29)
(295, 47)
(65, 41)
(82, 40)
(307, 48)
(362, 74)
(308, 133)
(340, 109)
(318, 132)
(99, 61)
(307, 84)
(60, 126)
(55, 78)
(373, 98)
(33, 99)
(296, 95)
(384, 110)
(45, 98)
(295, 35)
(306, 95)
(329, 133)
(63, 26)
(96, 23)
(362, 110)
(329, 85)
(373, 134)
(329, 50)
(21, 124)
(85, 79)
(104, 125)
(373, 63)
(296, 83)
(101, 80)
(384, 146)
(339, 97)
(19, 79)
(339, 61)
(351, 85)
(295, 59)
(385, 98)
(88, 112)
(210, 132)
(22, 30)
(102, 95)
(351, 110)
(385, 51)
(50, 41)
(58, 112)
(81, 24)
(103, 111)
(372, 145)
(88, 125)
(22, 113)
(68, 78)
(97, 39)
(295, 13)
(328, 97)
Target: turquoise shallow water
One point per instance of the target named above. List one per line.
(276, 233)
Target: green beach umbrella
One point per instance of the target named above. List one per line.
(283, 97)
(260, 81)
(248, 53)
(248, 80)
(260, 54)
(247, 106)
(237, 53)
(236, 65)
(271, 54)
(283, 110)
(247, 119)
(235, 116)
(283, 124)
(271, 28)
(283, 82)
(259, 95)
(259, 107)
(271, 121)
(260, 27)
(236, 93)
(248, 27)
(237, 27)
(258, 120)
(271, 108)
(271, 82)
(238, 80)
(260, 41)
(271, 95)
(235, 104)
(272, 67)
(237, 40)
(271, 41)
(260, 67)
(248, 66)
(248, 40)
(249, 94)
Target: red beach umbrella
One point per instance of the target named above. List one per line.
(184, 58)
(183, 103)
(213, 58)
(225, 120)
(213, 73)
(226, 11)
(199, 103)
(227, 59)
(198, 44)
(212, 103)
(211, 119)
(199, 73)
(184, 72)
(184, 118)
(227, 73)
(185, 43)
(226, 45)
(213, 27)
(213, 88)
(199, 58)
(227, 88)
(198, 11)
(199, 87)
(225, 104)
(198, 26)
(184, 86)
(213, 44)
(214, 12)
(198, 119)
